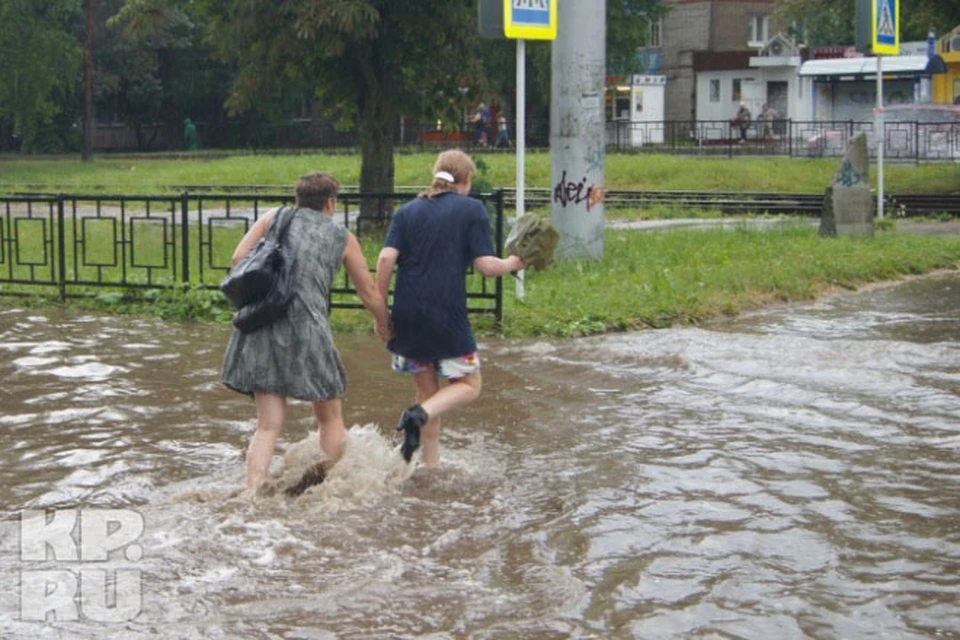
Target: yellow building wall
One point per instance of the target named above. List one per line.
(946, 86)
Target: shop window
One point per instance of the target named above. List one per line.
(618, 103)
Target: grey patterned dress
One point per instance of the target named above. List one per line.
(295, 357)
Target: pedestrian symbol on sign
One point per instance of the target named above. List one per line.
(886, 27)
(532, 12)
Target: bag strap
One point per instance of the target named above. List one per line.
(284, 222)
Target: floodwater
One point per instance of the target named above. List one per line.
(787, 474)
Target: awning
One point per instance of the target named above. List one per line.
(893, 65)
(936, 65)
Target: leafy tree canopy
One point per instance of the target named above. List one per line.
(629, 25)
(153, 66)
(369, 61)
(41, 57)
(831, 23)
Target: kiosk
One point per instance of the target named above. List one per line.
(635, 111)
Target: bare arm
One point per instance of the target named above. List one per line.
(253, 236)
(385, 264)
(356, 265)
(494, 267)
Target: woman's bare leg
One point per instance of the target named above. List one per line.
(270, 415)
(333, 433)
(427, 386)
(333, 436)
(459, 393)
(436, 400)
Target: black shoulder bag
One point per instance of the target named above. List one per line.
(261, 285)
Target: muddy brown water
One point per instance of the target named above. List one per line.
(792, 473)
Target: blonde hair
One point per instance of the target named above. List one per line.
(455, 162)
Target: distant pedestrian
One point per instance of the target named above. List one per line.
(767, 116)
(481, 122)
(742, 120)
(191, 141)
(503, 132)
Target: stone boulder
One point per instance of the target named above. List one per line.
(848, 205)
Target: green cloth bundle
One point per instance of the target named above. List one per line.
(533, 239)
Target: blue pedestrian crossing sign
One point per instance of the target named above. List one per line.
(530, 19)
(886, 27)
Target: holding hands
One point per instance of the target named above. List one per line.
(384, 330)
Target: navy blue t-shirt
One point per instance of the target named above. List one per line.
(437, 240)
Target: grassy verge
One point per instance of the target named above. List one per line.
(623, 171)
(646, 279)
(658, 279)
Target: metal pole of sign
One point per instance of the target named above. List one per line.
(521, 140)
(881, 136)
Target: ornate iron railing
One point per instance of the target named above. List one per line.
(76, 243)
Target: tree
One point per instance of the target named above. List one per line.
(155, 68)
(88, 37)
(830, 23)
(921, 16)
(41, 61)
(369, 60)
(629, 27)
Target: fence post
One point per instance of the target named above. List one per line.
(916, 143)
(498, 309)
(61, 249)
(184, 237)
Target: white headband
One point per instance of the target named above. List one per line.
(444, 175)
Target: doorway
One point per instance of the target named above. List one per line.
(777, 98)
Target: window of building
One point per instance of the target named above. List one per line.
(759, 28)
(714, 91)
(736, 90)
(654, 37)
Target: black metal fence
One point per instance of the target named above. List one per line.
(912, 141)
(73, 243)
(905, 141)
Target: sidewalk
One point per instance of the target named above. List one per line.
(904, 225)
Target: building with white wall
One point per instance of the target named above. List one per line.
(770, 76)
(711, 35)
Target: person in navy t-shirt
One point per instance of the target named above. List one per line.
(432, 241)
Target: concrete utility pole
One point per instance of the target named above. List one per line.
(577, 130)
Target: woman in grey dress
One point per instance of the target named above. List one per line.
(296, 357)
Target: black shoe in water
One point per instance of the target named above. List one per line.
(313, 476)
(410, 422)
